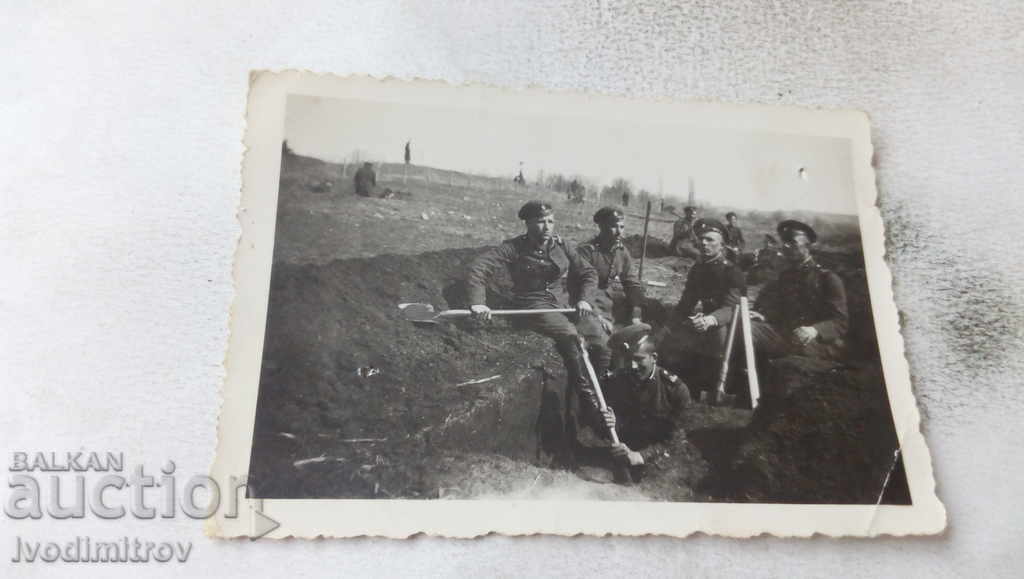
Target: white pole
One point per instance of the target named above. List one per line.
(748, 348)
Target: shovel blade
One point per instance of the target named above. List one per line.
(419, 313)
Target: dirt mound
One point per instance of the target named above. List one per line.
(828, 438)
(356, 402)
(655, 247)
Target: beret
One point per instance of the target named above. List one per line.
(634, 338)
(790, 227)
(606, 214)
(702, 226)
(535, 209)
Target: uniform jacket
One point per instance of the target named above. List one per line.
(683, 228)
(647, 412)
(807, 295)
(553, 274)
(735, 237)
(717, 284)
(615, 275)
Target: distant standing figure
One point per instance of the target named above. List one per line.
(366, 180)
(625, 198)
(684, 241)
(408, 152)
(735, 234)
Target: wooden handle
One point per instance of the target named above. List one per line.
(467, 313)
(601, 405)
(724, 372)
(748, 349)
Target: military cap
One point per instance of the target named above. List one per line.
(632, 339)
(702, 226)
(535, 210)
(608, 215)
(690, 209)
(790, 227)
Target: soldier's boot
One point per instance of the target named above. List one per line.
(577, 392)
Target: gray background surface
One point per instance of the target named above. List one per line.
(120, 181)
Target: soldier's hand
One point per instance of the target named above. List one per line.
(606, 324)
(480, 312)
(805, 335)
(704, 323)
(609, 418)
(620, 451)
(634, 458)
(756, 316)
(584, 309)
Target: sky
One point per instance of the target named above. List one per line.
(742, 169)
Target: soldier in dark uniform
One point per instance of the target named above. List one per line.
(804, 312)
(736, 242)
(365, 180)
(698, 328)
(683, 238)
(547, 272)
(618, 286)
(645, 403)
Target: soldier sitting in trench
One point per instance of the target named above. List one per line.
(547, 272)
(618, 285)
(693, 339)
(645, 404)
(804, 311)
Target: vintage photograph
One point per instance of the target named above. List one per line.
(472, 300)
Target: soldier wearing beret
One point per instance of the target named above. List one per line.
(645, 402)
(547, 272)
(714, 285)
(804, 311)
(683, 237)
(617, 280)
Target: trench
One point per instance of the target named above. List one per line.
(356, 402)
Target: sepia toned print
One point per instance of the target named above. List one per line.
(486, 310)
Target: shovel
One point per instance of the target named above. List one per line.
(719, 397)
(425, 313)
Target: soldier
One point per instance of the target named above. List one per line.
(735, 235)
(645, 403)
(617, 281)
(699, 325)
(683, 239)
(804, 312)
(365, 180)
(547, 272)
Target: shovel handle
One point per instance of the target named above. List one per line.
(467, 313)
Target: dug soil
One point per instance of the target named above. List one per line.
(356, 402)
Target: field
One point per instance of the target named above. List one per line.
(355, 402)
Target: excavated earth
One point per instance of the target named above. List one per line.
(356, 402)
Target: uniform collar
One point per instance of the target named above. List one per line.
(545, 246)
(806, 264)
(641, 381)
(596, 242)
(720, 258)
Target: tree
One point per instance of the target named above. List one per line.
(614, 192)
